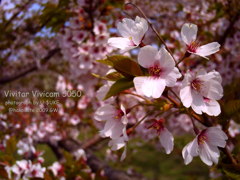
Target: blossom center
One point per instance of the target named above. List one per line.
(202, 138)
(157, 125)
(118, 114)
(207, 100)
(155, 71)
(193, 46)
(196, 84)
(131, 41)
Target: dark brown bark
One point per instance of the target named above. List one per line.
(6, 80)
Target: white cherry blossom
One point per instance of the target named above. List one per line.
(116, 120)
(162, 72)
(56, 167)
(206, 146)
(132, 33)
(189, 36)
(165, 136)
(115, 126)
(25, 170)
(36, 170)
(201, 90)
(119, 143)
(234, 128)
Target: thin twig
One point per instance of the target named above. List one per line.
(229, 155)
(130, 130)
(6, 80)
(196, 130)
(130, 93)
(21, 9)
(175, 94)
(186, 54)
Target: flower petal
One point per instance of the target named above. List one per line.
(216, 137)
(201, 71)
(198, 103)
(124, 154)
(212, 87)
(171, 78)
(186, 96)
(149, 86)
(166, 61)
(189, 32)
(208, 49)
(125, 27)
(117, 144)
(208, 154)
(212, 107)
(190, 151)
(105, 112)
(124, 44)
(166, 140)
(135, 30)
(147, 56)
(108, 129)
(101, 93)
(141, 27)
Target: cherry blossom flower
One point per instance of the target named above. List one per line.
(119, 143)
(132, 33)
(234, 128)
(206, 146)
(56, 168)
(189, 36)
(165, 137)
(201, 90)
(25, 170)
(115, 127)
(103, 90)
(80, 153)
(25, 148)
(18, 169)
(36, 171)
(74, 119)
(162, 72)
(116, 120)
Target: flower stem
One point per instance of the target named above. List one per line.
(229, 155)
(130, 130)
(196, 130)
(186, 54)
(131, 93)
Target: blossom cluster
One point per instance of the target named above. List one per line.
(25, 169)
(197, 89)
(159, 93)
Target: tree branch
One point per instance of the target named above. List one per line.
(97, 165)
(21, 9)
(6, 80)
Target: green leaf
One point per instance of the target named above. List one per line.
(232, 107)
(118, 86)
(232, 171)
(98, 76)
(11, 146)
(106, 62)
(114, 76)
(124, 65)
(127, 66)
